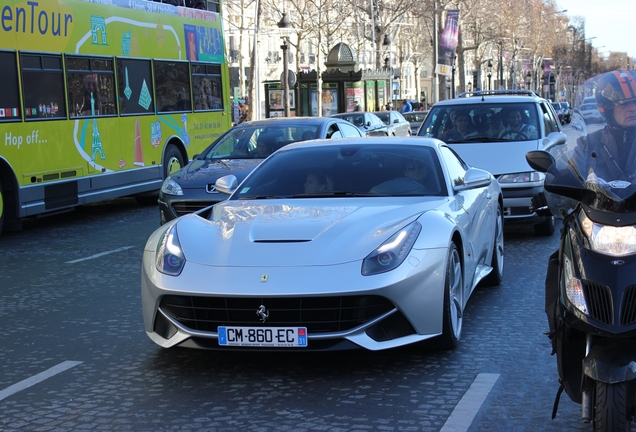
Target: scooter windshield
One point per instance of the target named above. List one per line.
(598, 168)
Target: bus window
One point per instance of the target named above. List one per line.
(207, 87)
(91, 86)
(172, 86)
(43, 86)
(134, 79)
(9, 95)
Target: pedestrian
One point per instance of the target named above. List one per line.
(357, 106)
(389, 107)
(407, 107)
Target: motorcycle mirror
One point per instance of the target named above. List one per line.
(539, 160)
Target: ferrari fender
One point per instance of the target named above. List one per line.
(611, 364)
(438, 230)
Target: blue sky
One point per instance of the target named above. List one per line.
(612, 22)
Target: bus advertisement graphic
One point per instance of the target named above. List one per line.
(104, 87)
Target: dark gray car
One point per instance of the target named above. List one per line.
(238, 152)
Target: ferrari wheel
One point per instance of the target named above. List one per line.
(453, 301)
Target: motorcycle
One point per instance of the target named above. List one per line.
(590, 290)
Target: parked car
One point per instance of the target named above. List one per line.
(591, 113)
(559, 112)
(503, 127)
(368, 123)
(395, 122)
(329, 245)
(415, 119)
(567, 112)
(237, 152)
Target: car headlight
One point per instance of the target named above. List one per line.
(171, 187)
(392, 252)
(610, 240)
(573, 287)
(170, 258)
(524, 177)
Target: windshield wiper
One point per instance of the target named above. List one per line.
(261, 197)
(478, 139)
(337, 194)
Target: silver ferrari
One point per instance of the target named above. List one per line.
(366, 243)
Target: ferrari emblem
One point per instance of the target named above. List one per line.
(264, 278)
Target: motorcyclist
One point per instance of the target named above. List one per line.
(591, 186)
(610, 152)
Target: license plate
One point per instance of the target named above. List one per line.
(263, 336)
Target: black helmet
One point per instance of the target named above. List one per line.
(615, 88)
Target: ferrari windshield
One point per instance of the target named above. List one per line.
(345, 171)
(482, 122)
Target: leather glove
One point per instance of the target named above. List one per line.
(540, 205)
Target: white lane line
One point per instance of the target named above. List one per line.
(99, 255)
(35, 379)
(467, 408)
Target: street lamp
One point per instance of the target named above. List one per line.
(489, 73)
(388, 42)
(285, 24)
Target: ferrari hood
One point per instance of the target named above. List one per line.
(497, 157)
(300, 232)
(199, 173)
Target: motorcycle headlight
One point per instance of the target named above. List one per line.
(171, 187)
(392, 252)
(523, 177)
(610, 240)
(170, 258)
(573, 287)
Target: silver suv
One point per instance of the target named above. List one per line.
(494, 130)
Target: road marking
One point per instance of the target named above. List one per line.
(35, 379)
(99, 255)
(467, 408)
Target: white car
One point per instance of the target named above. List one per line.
(327, 245)
(502, 126)
(591, 113)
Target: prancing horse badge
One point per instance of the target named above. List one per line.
(264, 278)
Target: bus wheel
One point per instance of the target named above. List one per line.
(173, 161)
(1, 209)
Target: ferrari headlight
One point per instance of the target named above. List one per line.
(573, 287)
(523, 177)
(392, 252)
(614, 241)
(171, 187)
(170, 258)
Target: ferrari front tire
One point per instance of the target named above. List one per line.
(453, 317)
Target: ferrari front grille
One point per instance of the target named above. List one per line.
(318, 314)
